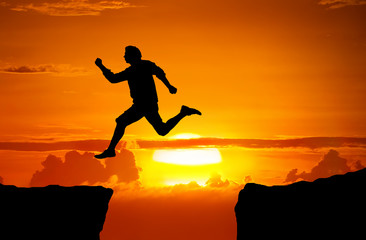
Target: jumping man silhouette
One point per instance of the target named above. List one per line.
(143, 92)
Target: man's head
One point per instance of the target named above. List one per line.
(132, 55)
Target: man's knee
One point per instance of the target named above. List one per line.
(162, 132)
(121, 121)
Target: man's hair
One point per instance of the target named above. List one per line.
(134, 51)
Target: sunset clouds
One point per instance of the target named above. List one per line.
(341, 3)
(44, 68)
(331, 164)
(85, 169)
(68, 7)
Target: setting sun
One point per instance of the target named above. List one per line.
(188, 156)
(185, 136)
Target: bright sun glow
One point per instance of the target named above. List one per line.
(185, 136)
(188, 156)
(191, 156)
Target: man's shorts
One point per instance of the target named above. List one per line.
(138, 111)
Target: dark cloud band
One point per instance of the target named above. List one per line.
(99, 145)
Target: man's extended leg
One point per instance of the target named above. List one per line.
(128, 117)
(119, 131)
(164, 128)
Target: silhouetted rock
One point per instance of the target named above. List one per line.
(53, 212)
(327, 208)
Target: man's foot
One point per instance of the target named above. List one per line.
(107, 153)
(189, 111)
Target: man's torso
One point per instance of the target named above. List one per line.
(141, 82)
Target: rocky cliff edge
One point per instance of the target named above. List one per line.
(327, 208)
(53, 212)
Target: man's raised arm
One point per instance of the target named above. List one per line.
(111, 77)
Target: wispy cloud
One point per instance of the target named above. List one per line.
(86, 145)
(45, 68)
(341, 3)
(69, 7)
(99, 145)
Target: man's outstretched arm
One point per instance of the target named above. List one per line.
(159, 73)
(111, 77)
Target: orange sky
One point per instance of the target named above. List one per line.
(254, 68)
(258, 69)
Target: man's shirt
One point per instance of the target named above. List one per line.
(140, 80)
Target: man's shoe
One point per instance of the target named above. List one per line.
(107, 153)
(189, 111)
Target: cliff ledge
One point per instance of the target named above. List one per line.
(53, 212)
(327, 208)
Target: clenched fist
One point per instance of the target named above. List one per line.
(98, 62)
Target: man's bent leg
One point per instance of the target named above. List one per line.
(164, 128)
(119, 131)
(128, 117)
